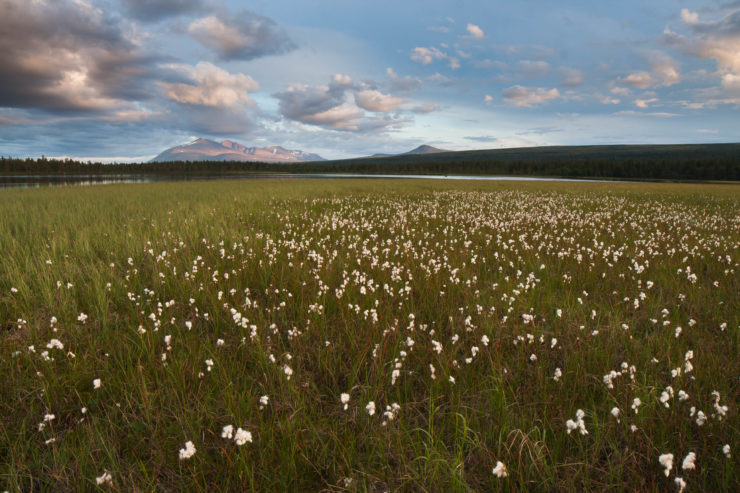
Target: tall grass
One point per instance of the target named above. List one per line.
(333, 285)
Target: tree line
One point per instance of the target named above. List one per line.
(669, 162)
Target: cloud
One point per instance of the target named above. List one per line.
(731, 84)
(425, 108)
(488, 99)
(211, 100)
(481, 138)
(531, 68)
(570, 77)
(651, 115)
(718, 39)
(425, 56)
(211, 86)
(664, 68)
(640, 80)
(70, 57)
(329, 107)
(405, 84)
(689, 17)
(643, 103)
(245, 35)
(373, 100)
(528, 96)
(154, 10)
(475, 31)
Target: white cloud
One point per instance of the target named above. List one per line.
(718, 40)
(342, 80)
(664, 69)
(488, 99)
(373, 100)
(475, 31)
(528, 96)
(640, 80)
(731, 84)
(643, 103)
(689, 17)
(427, 55)
(211, 86)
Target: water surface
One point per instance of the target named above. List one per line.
(35, 181)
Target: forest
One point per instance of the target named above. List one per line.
(703, 162)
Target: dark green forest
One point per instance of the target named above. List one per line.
(641, 162)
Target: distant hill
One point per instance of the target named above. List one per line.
(422, 149)
(209, 150)
(425, 149)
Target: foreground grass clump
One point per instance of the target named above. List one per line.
(370, 336)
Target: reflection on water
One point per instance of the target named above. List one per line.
(35, 181)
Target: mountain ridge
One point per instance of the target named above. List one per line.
(228, 150)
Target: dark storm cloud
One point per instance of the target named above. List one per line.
(244, 35)
(62, 56)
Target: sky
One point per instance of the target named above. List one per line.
(122, 80)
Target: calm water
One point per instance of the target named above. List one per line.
(35, 181)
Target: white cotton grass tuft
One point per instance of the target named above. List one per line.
(105, 478)
(97, 383)
(188, 451)
(726, 450)
(370, 408)
(680, 483)
(344, 398)
(578, 424)
(264, 400)
(666, 460)
(242, 436)
(500, 470)
(227, 432)
(689, 462)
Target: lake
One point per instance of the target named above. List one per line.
(35, 181)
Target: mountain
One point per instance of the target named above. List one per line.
(422, 149)
(209, 150)
(425, 149)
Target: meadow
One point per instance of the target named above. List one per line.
(376, 335)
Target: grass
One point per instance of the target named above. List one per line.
(339, 283)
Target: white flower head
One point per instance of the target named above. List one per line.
(227, 432)
(500, 470)
(188, 451)
(105, 478)
(242, 436)
(97, 383)
(370, 408)
(689, 462)
(726, 450)
(666, 460)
